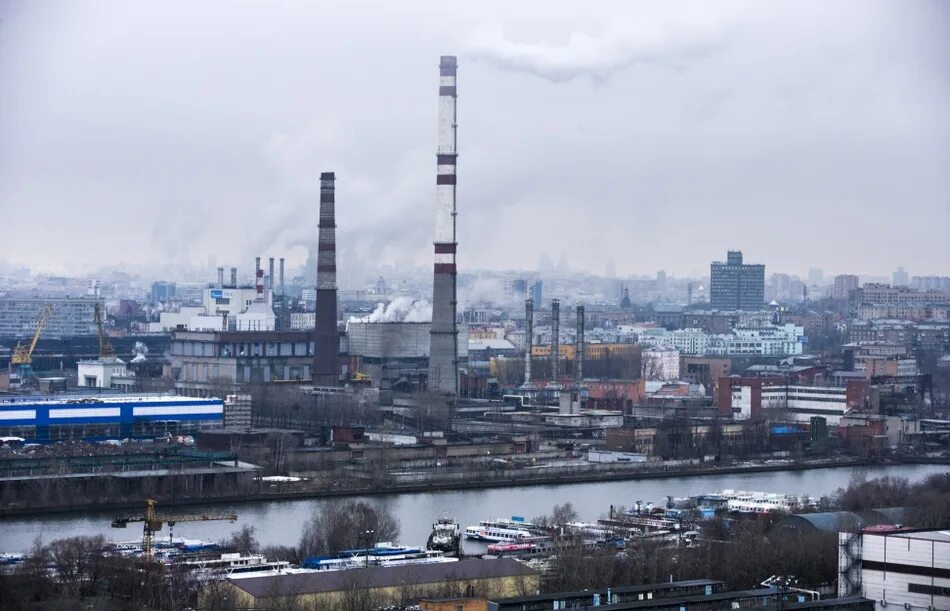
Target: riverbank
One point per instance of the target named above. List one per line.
(282, 521)
(473, 482)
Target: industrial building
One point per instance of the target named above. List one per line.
(503, 577)
(896, 567)
(70, 316)
(395, 355)
(97, 417)
(201, 363)
(754, 398)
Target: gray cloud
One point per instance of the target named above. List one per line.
(619, 45)
(657, 134)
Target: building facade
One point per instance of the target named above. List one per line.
(97, 417)
(896, 568)
(70, 316)
(212, 363)
(735, 285)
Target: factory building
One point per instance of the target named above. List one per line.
(754, 398)
(202, 363)
(390, 585)
(70, 316)
(897, 568)
(96, 417)
(101, 372)
(395, 355)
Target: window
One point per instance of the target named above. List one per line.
(921, 588)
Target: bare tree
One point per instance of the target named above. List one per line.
(349, 524)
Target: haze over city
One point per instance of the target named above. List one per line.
(656, 136)
(474, 306)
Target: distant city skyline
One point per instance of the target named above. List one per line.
(805, 134)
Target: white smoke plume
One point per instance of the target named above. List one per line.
(139, 352)
(400, 309)
(618, 46)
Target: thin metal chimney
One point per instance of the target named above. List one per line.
(281, 275)
(326, 337)
(270, 275)
(220, 277)
(579, 346)
(528, 338)
(234, 277)
(443, 349)
(555, 339)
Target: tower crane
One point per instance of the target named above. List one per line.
(23, 355)
(152, 522)
(105, 347)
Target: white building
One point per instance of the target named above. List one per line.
(896, 569)
(772, 340)
(99, 373)
(795, 402)
(690, 341)
(303, 321)
(661, 364)
(222, 309)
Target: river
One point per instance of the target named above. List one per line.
(280, 522)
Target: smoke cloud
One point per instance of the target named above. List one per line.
(400, 309)
(619, 46)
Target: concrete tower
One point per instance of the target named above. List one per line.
(443, 352)
(326, 338)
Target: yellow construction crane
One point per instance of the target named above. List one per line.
(23, 355)
(105, 347)
(153, 522)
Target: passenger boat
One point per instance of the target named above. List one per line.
(496, 534)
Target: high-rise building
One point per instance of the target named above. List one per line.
(735, 285)
(163, 291)
(844, 284)
(661, 281)
(900, 277)
(536, 291)
(816, 277)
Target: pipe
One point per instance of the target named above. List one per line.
(270, 275)
(220, 277)
(234, 277)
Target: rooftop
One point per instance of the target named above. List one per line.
(379, 577)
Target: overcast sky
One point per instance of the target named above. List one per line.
(658, 134)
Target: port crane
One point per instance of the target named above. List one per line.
(152, 522)
(105, 347)
(23, 355)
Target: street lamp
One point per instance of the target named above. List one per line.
(369, 541)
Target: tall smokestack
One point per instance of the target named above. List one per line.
(258, 277)
(270, 275)
(234, 277)
(579, 346)
(326, 338)
(220, 277)
(555, 339)
(281, 275)
(528, 338)
(443, 350)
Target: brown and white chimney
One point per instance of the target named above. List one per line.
(326, 337)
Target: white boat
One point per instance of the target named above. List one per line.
(497, 534)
